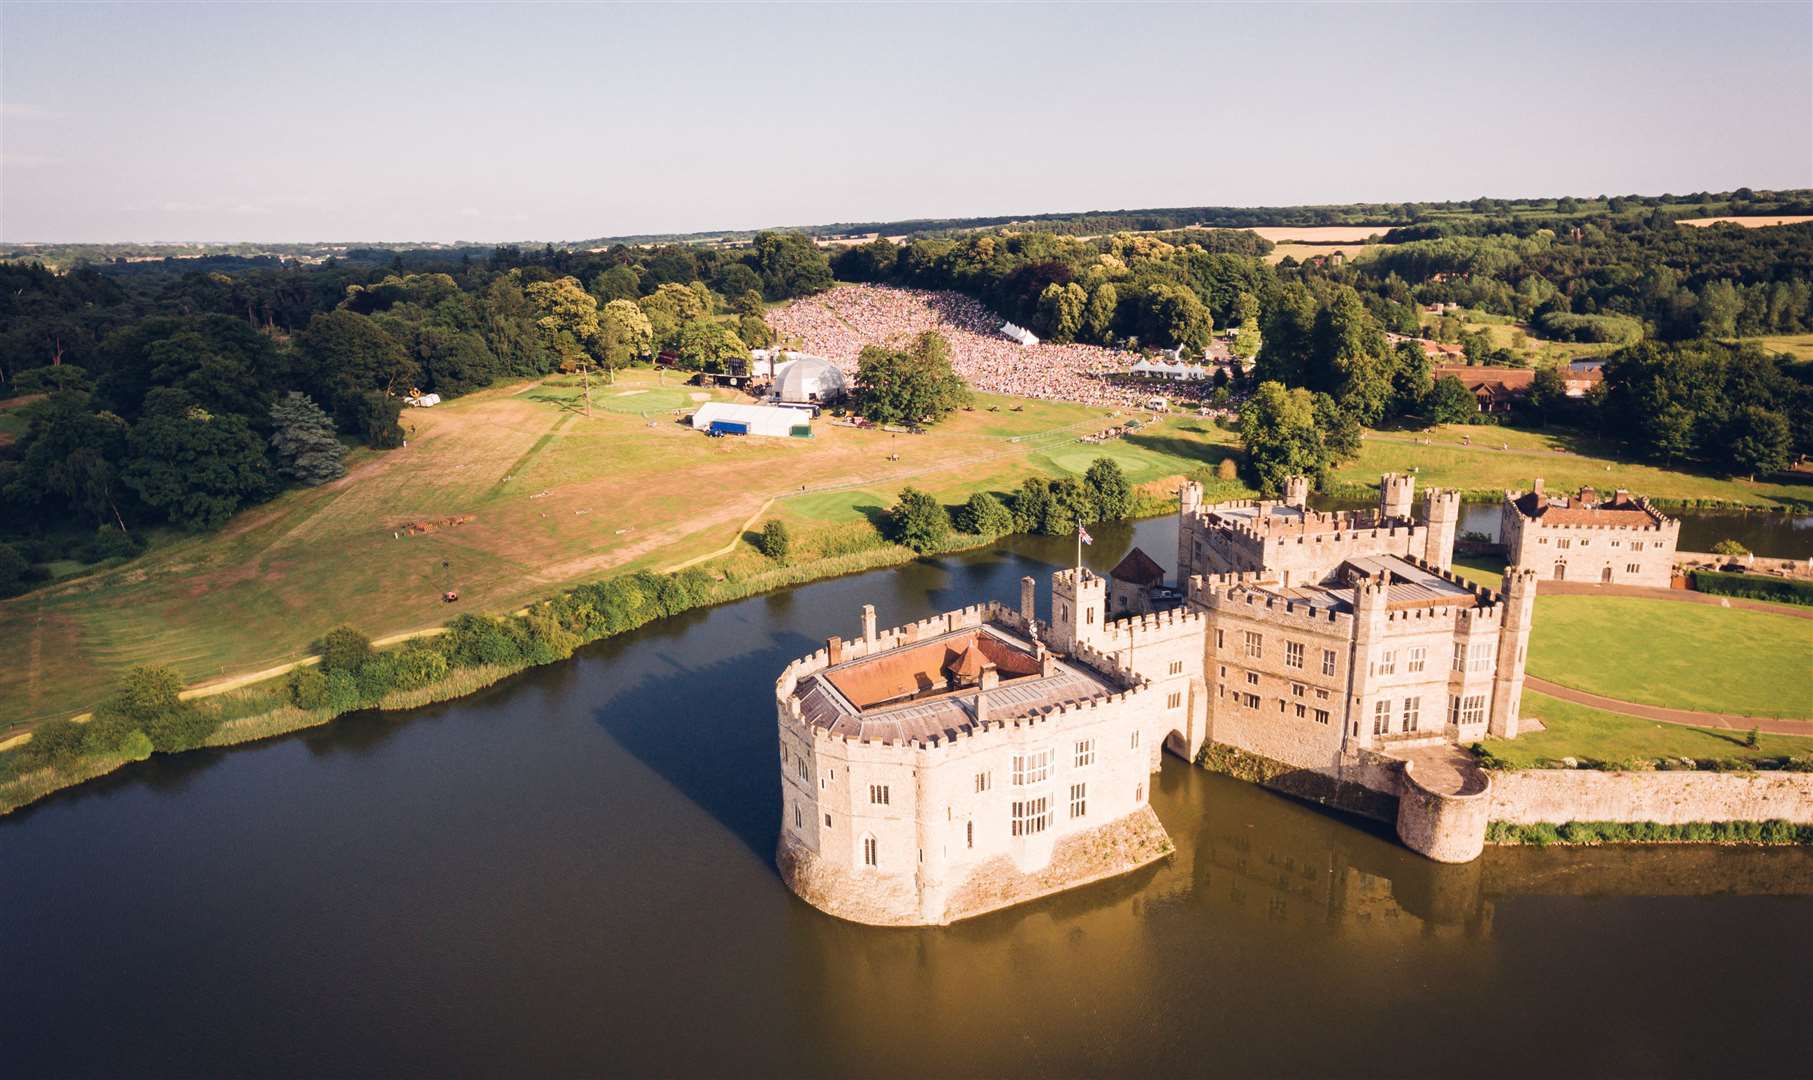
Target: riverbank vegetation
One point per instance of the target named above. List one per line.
(1589, 833)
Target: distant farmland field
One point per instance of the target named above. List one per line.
(1320, 234)
(1750, 222)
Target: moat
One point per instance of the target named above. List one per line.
(572, 873)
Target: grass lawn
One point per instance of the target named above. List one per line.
(1580, 731)
(1799, 346)
(1489, 459)
(1683, 656)
(523, 494)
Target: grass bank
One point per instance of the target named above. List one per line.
(1592, 833)
(1596, 737)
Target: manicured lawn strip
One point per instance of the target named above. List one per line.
(1683, 656)
(1583, 732)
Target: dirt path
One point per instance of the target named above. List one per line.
(1687, 717)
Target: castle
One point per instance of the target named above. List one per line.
(1616, 541)
(981, 758)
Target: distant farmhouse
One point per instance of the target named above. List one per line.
(984, 757)
(1617, 541)
(1500, 389)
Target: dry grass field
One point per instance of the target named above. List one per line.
(514, 492)
(1300, 251)
(1749, 222)
(1320, 234)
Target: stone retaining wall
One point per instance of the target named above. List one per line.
(1558, 796)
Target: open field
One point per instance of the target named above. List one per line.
(1502, 331)
(1301, 252)
(1579, 731)
(1660, 652)
(1563, 459)
(1320, 234)
(515, 493)
(1762, 222)
(1799, 346)
(1683, 656)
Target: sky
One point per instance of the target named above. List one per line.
(442, 122)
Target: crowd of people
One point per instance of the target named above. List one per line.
(839, 323)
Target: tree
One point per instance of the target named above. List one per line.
(983, 515)
(919, 521)
(1174, 315)
(1729, 547)
(343, 649)
(303, 440)
(706, 345)
(1758, 440)
(775, 541)
(1098, 313)
(791, 265)
(1246, 339)
(913, 385)
(1110, 496)
(13, 570)
(1278, 431)
(1284, 355)
(148, 700)
(1348, 359)
(1411, 375)
(1029, 504)
(755, 332)
(624, 335)
(349, 355)
(1548, 394)
(1067, 506)
(1450, 402)
(1340, 431)
(1061, 311)
(192, 466)
(617, 283)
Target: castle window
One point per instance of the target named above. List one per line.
(1252, 701)
(1255, 644)
(1381, 718)
(969, 834)
(1296, 689)
(1321, 694)
(1133, 741)
(1636, 545)
(1480, 657)
(1033, 768)
(798, 821)
(1460, 656)
(1078, 800)
(1321, 716)
(878, 794)
(1328, 661)
(1176, 667)
(1563, 542)
(1413, 708)
(1388, 662)
(1252, 678)
(1085, 753)
(1417, 657)
(1174, 699)
(1089, 615)
(827, 821)
(1139, 793)
(1468, 710)
(871, 853)
(1633, 568)
(1302, 710)
(1218, 640)
(800, 767)
(984, 781)
(1031, 816)
(1293, 654)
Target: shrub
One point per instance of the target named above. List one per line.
(307, 687)
(343, 649)
(1754, 586)
(179, 730)
(983, 515)
(110, 543)
(1226, 469)
(419, 665)
(342, 694)
(919, 521)
(1729, 547)
(376, 677)
(476, 639)
(15, 570)
(136, 746)
(149, 699)
(775, 541)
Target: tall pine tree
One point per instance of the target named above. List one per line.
(304, 440)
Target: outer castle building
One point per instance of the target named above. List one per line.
(984, 757)
(1616, 541)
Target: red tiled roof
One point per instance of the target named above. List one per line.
(1510, 379)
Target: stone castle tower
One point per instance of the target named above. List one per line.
(1396, 494)
(1441, 517)
(1513, 650)
(1079, 606)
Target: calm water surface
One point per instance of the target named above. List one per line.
(571, 874)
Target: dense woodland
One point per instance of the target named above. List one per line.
(175, 393)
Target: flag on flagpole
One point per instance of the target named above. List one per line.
(1083, 535)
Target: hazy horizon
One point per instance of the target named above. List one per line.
(330, 123)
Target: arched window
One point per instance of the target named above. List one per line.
(1560, 570)
(871, 856)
